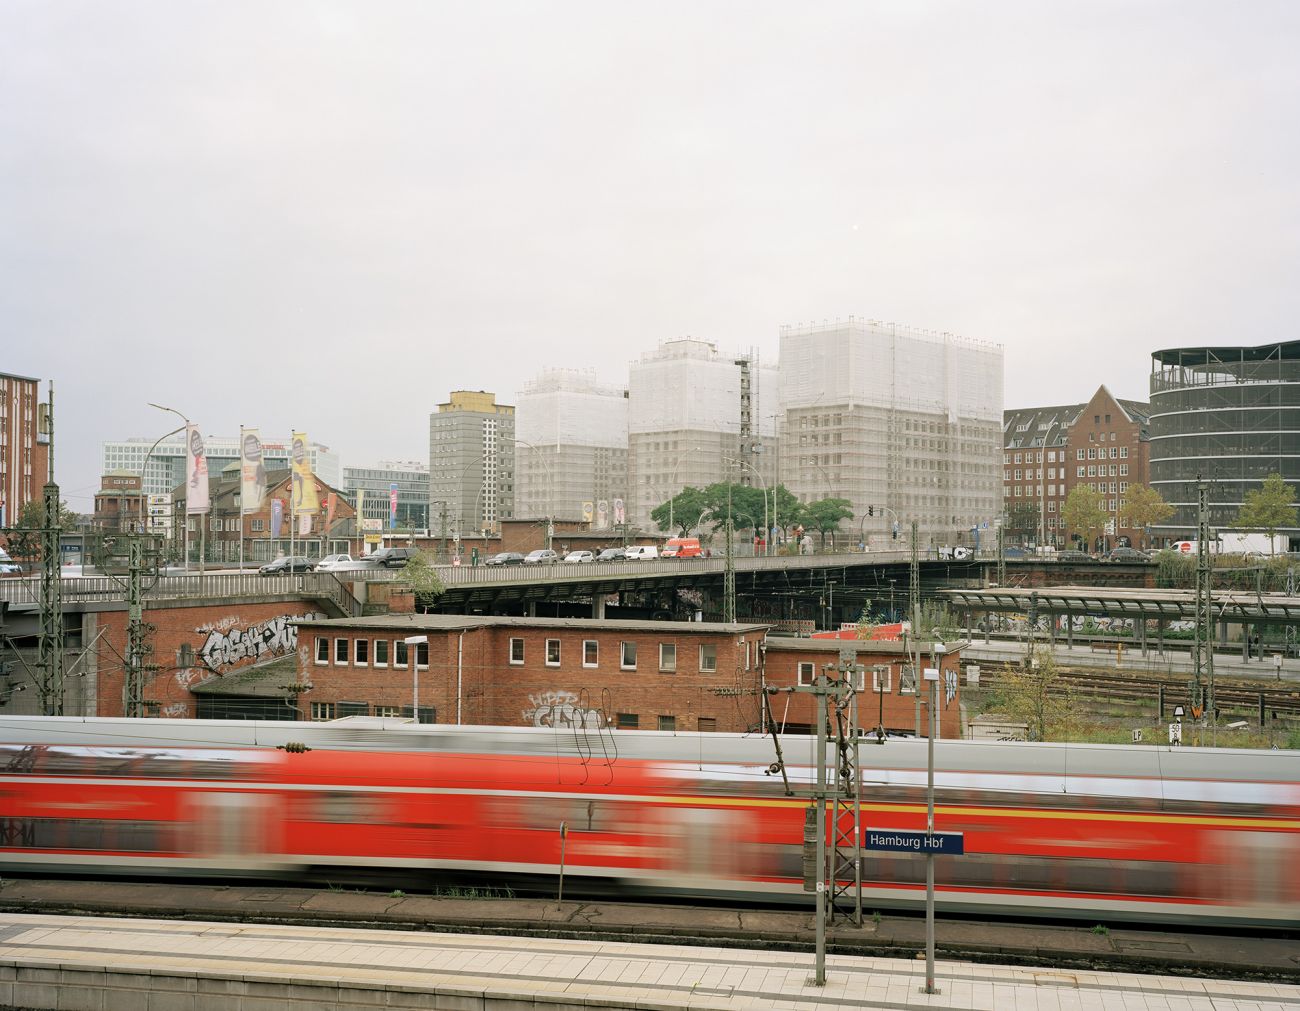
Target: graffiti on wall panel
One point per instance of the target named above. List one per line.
(234, 645)
(559, 709)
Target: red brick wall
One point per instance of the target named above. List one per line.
(218, 635)
(494, 691)
(899, 710)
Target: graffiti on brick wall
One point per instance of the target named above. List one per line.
(175, 710)
(234, 645)
(560, 709)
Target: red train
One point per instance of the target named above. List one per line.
(704, 819)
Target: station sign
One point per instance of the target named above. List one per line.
(895, 840)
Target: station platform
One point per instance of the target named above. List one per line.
(102, 964)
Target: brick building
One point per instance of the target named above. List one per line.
(1048, 451)
(332, 530)
(119, 503)
(646, 675)
(885, 696)
(24, 447)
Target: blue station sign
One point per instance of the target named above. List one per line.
(899, 841)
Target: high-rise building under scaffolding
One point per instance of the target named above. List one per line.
(905, 424)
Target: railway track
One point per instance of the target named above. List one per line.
(1139, 688)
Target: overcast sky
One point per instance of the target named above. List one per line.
(327, 215)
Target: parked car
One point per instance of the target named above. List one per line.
(639, 551)
(579, 556)
(612, 555)
(333, 563)
(1014, 553)
(391, 558)
(7, 564)
(542, 556)
(682, 547)
(505, 558)
(1070, 555)
(286, 564)
(1127, 555)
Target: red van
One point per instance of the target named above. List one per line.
(682, 547)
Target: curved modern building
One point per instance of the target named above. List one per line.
(1229, 416)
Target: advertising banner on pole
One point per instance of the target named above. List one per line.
(196, 473)
(277, 517)
(305, 499)
(304, 524)
(588, 510)
(392, 507)
(252, 471)
(602, 514)
(620, 513)
(361, 501)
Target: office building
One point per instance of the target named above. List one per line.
(1047, 451)
(571, 449)
(1229, 416)
(472, 462)
(167, 462)
(905, 424)
(24, 447)
(407, 510)
(697, 417)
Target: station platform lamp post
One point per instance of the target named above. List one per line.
(413, 644)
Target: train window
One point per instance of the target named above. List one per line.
(94, 834)
(546, 812)
(337, 808)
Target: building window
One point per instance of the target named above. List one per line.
(321, 711)
(807, 672)
(322, 649)
(667, 657)
(1092, 471)
(381, 652)
(516, 651)
(1123, 452)
(708, 725)
(590, 653)
(1114, 452)
(880, 678)
(552, 652)
(1017, 475)
(668, 723)
(341, 651)
(422, 658)
(258, 526)
(353, 709)
(400, 653)
(361, 648)
(907, 680)
(627, 655)
(1123, 470)
(389, 712)
(1017, 458)
(1080, 471)
(628, 721)
(708, 658)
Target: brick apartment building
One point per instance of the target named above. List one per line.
(633, 675)
(119, 503)
(1048, 451)
(24, 448)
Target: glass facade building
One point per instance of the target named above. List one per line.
(1229, 416)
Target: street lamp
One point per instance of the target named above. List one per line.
(767, 529)
(932, 675)
(413, 643)
(186, 532)
(672, 480)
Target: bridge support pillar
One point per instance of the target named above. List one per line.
(1069, 630)
(1160, 635)
(532, 609)
(1245, 641)
(1142, 626)
(988, 626)
(598, 606)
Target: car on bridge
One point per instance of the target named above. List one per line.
(612, 555)
(1070, 555)
(542, 556)
(1127, 555)
(287, 564)
(579, 556)
(505, 558)
(390, 558)
(335, 563)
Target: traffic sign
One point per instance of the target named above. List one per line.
(1175, 733)
(1137, 736)
(899, 841)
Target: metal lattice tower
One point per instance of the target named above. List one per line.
(50, 662)
(729, 580)
(746, 448)
(1203, 635)
(846, 820)
(914, 605)
(137, 639)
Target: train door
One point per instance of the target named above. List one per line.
(229, 830)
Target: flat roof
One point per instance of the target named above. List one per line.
(466, 622)
(1228, 605)
(804, 645)
(1202, 355)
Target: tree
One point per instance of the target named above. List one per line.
(1268, 508)
(685, 509)
(1083, 513)
(825, 516)
(24, 538)
(421, 576)
(1022, 519)
(788, 512)
(1040, 697)
(1143, 508)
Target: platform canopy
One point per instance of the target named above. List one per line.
(1236, 606)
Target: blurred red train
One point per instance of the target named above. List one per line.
(1212, 839)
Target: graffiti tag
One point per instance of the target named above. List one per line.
(275, 637)
(557, 709)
